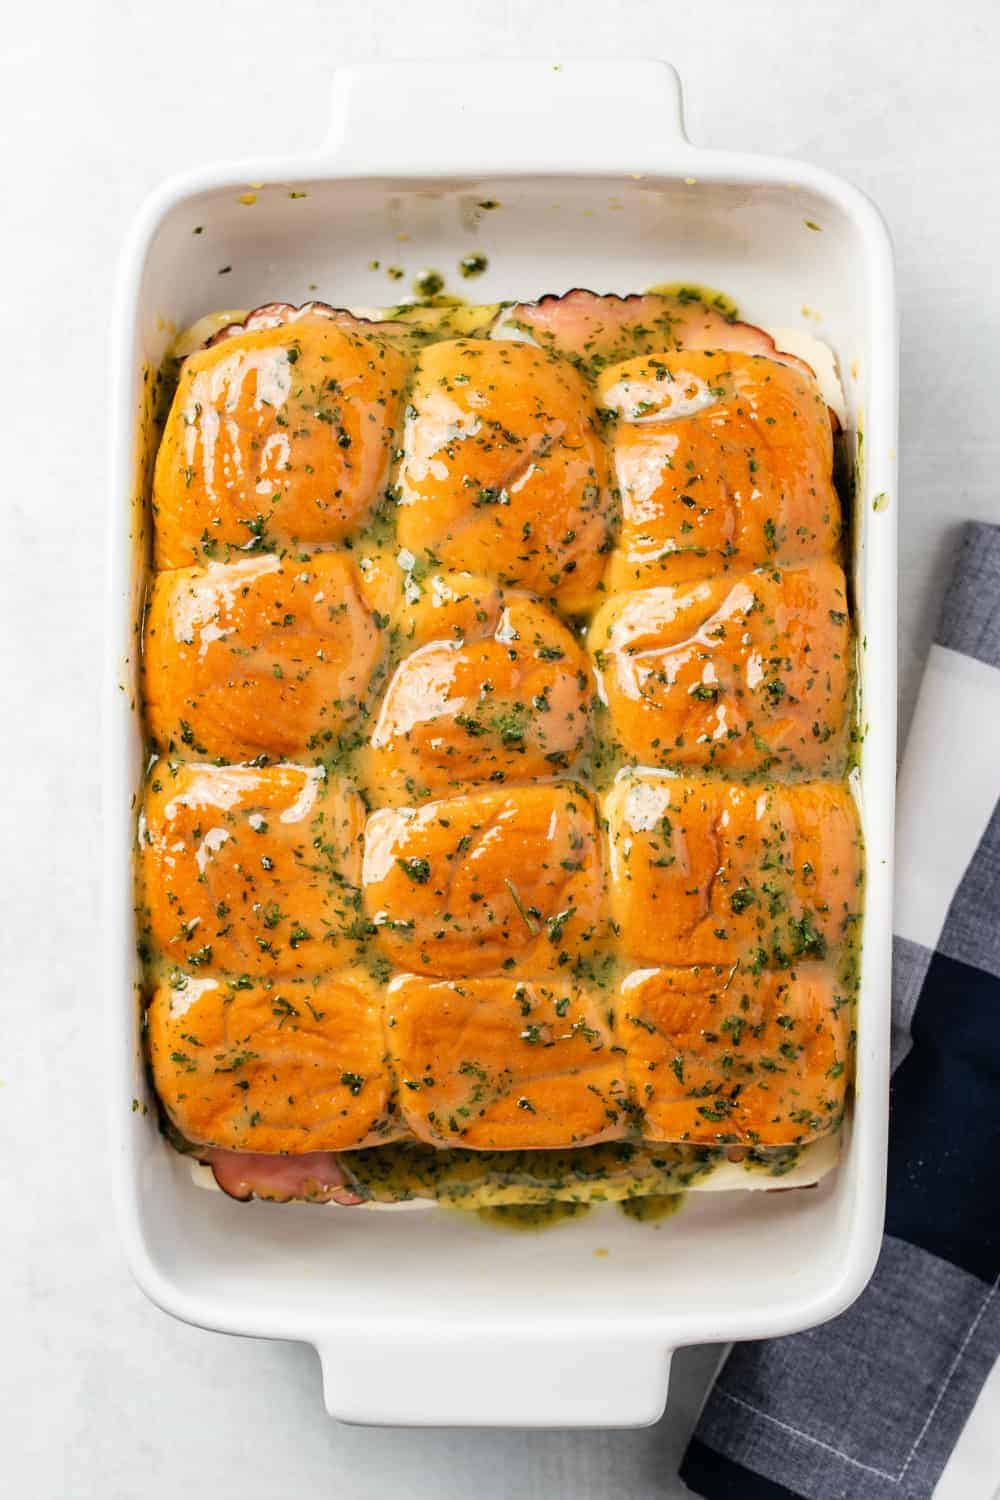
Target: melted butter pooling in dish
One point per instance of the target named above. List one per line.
(413, 862)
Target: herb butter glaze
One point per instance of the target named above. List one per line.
(532, 1216)
(395, 584)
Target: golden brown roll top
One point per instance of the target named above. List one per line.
(504, 701)
(250, 870)
(276, 438)
(263, 655)
(504, 470)
(724, 462)
(487, 883)
(498, 1064)
(708, 872)
(272, 1065)
(743, 673)
(728, 1055)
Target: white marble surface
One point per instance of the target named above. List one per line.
(101, 1395)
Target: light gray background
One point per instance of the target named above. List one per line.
(100, 1394)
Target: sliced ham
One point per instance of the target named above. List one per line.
(597, 330)
(277, 314)
(315, 1176)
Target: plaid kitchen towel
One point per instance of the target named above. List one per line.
(899, 1398)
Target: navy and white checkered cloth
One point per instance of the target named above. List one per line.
(899, 1398)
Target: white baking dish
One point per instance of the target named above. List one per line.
(433, 1317)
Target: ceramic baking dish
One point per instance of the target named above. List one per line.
(434, 1318)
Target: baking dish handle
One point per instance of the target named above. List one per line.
(430, 1380)
(418, 118)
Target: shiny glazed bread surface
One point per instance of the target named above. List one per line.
(481, 814)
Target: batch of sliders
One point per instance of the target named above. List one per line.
(500, 693)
